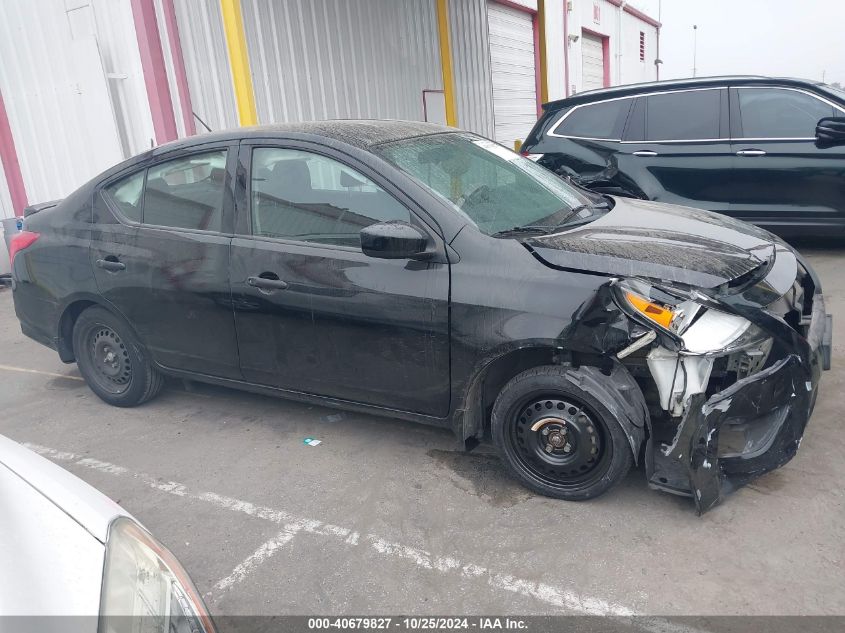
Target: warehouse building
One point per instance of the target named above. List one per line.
(86, 83)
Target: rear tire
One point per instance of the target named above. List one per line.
(112, 360)
(558, 439)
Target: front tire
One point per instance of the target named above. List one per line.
(112, 360)
(558, 439)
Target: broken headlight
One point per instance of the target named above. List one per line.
(701, 329)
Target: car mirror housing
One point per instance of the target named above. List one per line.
(394, 240)
(830, 131)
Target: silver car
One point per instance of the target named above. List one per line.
(68, 550)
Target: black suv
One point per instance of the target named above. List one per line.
(768, 151)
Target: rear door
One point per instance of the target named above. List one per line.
(316, 315)
(676, 148)
(782, 181)
(160, 253)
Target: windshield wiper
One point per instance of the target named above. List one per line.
(522, 229)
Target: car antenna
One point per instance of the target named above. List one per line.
(204, 124)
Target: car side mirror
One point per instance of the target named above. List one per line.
(830, 131)
(394, 240)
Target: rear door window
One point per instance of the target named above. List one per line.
(602, 120)
(683, 116)
(187, 192)
(780, 113)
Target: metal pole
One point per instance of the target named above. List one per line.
(694, 47)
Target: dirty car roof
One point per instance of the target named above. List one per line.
(362, 133)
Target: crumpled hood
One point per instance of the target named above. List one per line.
(659, 241)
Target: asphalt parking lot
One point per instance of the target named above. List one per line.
(384, 517)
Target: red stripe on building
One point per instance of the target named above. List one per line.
(11, 166)
(155, 73)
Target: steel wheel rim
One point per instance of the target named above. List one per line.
(109, 357)
(559, 441)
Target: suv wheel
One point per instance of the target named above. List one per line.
(558, 439)
(111, 359)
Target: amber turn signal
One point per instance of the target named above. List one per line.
(660, 315)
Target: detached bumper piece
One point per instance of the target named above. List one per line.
(754, 426)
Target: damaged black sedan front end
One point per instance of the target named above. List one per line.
(749, 415)
(730, 371)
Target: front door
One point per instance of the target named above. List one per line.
(781, 179)
(316, 315)
(160, 254)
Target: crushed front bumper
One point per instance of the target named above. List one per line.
(754, 426)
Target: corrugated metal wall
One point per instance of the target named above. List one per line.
(207, 63)
(6, 208)
(471, 65)
(115, 33)
(56, 95)
(322, 59)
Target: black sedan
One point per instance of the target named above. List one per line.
(428, 274)
(764, 150)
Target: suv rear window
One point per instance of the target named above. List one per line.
(603, 120)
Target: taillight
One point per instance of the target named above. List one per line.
(19, 242)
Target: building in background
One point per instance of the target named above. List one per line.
(86, 83)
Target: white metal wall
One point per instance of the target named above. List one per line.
(56, 94)
(623, 31)
(207, 63)
(114, 29)
(325, 59)
(470, 46)
(6, 208)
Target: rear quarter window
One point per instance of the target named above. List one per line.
(602, 120)
(126, 195)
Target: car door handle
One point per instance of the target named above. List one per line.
(645, 152)
(751, 152)
(111, 264)
(267, 284)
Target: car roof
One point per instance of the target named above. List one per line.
(361, 133)
(676, 84)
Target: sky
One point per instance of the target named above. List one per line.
(762, 37)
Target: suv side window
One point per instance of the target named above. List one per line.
(304, 196)
(127, 194)
(780, 113)
(683, 116)
(187, 192)
(603, 120)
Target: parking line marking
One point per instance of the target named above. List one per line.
(24, 370)
(543, 592)
(265, 551)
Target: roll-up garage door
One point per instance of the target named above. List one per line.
(513, 72)
(592, 62)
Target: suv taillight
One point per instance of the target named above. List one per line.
(19, 242)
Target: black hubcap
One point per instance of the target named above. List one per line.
(559, 441)
(110, 359)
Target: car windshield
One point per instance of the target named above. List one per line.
(490, 185)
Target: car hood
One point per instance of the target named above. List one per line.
(87, 506)
(638, 238)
